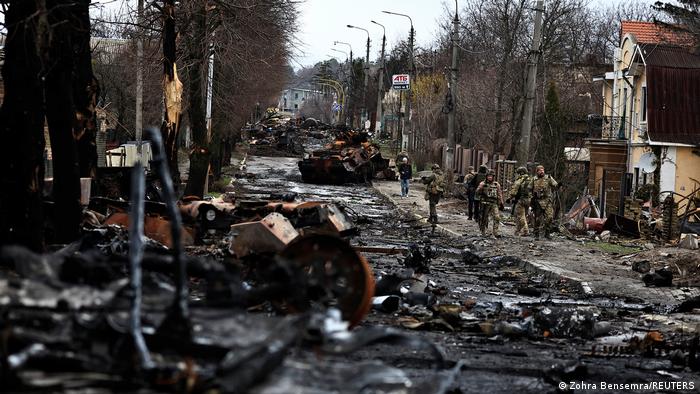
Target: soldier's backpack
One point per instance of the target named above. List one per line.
(437, 186)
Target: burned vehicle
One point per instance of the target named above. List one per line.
(351, 158)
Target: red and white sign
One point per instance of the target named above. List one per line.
(401, 81)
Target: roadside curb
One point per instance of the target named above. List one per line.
(540, 268)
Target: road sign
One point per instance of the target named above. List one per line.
(401, 81)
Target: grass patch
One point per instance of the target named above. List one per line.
(219, 185)
(607, 247)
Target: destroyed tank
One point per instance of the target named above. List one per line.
(351, 158)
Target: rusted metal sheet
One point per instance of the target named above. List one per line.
(156, 227)
(673, 101)
(269, 235)
(669, 56)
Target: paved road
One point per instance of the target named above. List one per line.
(494, 334)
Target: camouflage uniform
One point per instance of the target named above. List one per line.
(473, 184)
(433, 191)
(542, 192)
(521, 194)
(491, 198)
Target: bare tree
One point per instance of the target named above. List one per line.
(48, 76)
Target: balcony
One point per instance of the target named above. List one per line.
(606, 127)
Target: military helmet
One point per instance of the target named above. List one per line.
(435, 166)
(521, 170)
(491, 172)
(483, 168)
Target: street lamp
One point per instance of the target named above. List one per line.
(345, 43)
(364, 90)
(352, 83)
(411, 36)
(343, 52)
(380, 83)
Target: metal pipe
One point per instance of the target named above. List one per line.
(136, 218)
(180, 309)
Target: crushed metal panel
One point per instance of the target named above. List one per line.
(156, 227)
(269, 235)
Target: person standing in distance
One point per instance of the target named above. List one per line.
(405, 174)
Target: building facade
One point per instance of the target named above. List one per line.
(293, 99)
(650, 131)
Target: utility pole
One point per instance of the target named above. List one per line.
(139, 80)
(364, 91)
(533, 59)
(412, 74)
(363, 111)
(380, 84)
(449, 157)
(404, 136)
(352, 84)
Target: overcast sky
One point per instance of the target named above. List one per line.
(322, 22)
(325, 21)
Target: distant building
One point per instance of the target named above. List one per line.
(293, 99)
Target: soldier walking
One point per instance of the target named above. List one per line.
(434, 190)
(543, 187)
(473, 184)
(520, 194)
(491, 201)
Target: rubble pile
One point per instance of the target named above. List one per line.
(277, 135)
(125, 309)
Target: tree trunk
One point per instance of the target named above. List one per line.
(200, 154)
(85, 90)
(172, 88)
(64, 93)
(22, 131)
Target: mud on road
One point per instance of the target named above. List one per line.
(510, 328)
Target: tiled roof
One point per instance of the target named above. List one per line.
(653, 33)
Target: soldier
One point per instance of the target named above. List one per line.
(433, 191)
(543, 187)
(405, 174)
(520, 194)
(474, 183)
(470, 191)
(491, 200)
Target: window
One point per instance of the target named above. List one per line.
(296, 106)
(296, 96)
(644, 103)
